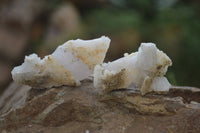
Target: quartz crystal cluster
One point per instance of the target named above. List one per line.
(76, 60)
(144, 69)
(68, 65)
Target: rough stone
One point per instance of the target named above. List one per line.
(84, 108)
(5, 75)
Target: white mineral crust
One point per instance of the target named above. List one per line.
(68, 65)
(145, 69)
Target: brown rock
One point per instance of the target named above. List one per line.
(5, 75)
(86, 109)
(13, 97)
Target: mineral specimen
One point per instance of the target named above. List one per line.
(145, 69)
(68, 65)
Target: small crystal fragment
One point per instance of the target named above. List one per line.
(68, 65)
(145, 69)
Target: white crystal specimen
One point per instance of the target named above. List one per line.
(145, 69)
(160, 84)
(68, 65)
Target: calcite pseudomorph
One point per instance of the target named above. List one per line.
(68, 65)
(145, 69)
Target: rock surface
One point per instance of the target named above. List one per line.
(5, 75)
(85, 109)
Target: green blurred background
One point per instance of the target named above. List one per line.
(28, 26)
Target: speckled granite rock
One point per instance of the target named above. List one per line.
(86, 109)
